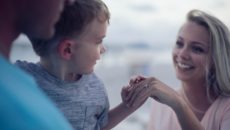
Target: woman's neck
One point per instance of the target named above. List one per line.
(195, 94)
(195, 88)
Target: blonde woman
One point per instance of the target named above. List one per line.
(201, 58)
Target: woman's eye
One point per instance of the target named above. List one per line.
(198, 49)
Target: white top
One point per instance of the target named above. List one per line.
(217, 116)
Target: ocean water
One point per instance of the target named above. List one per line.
(115, 69)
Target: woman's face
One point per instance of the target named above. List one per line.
(191, 52)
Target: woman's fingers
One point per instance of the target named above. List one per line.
(132, 81)
(145, 82)
(140, 77)
(141, 98)
(135, 95)
(138, 93)
(136, 79)
(134, 90)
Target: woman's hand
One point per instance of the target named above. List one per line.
(136, 79)
(127, 89)
(151, 87)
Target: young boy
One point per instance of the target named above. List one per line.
(65, 70)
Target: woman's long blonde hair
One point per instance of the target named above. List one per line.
(218, 72)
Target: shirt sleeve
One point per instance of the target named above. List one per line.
(225, 125)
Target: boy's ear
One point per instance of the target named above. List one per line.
(64, 49)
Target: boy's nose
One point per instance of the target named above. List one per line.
(102, 49)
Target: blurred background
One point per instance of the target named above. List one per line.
(140, 38)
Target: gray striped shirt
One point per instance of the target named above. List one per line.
(84, 102)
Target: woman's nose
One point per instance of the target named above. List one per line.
(184, 53)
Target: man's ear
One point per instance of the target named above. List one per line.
(64, 49)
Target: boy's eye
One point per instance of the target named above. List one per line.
(99, 42)
(179, 44)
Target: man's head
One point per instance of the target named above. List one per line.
(38, 17)
(35, 18)
(79, 33)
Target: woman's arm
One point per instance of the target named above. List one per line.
(159, 91)
(186, 117)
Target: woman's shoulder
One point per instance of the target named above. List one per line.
(224, 102)
(217, 114)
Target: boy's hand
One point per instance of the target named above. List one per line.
(124, 94)
(126, 90)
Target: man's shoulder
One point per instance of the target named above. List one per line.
(9, 69)
(13, 76)
(27, 66)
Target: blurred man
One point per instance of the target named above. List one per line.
(22, 104)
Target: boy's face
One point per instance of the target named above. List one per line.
(88, 48)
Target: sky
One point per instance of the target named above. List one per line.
(155, 22)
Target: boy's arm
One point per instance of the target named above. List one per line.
(117, 114)
(120, 112)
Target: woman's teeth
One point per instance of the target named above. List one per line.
(184, 66)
